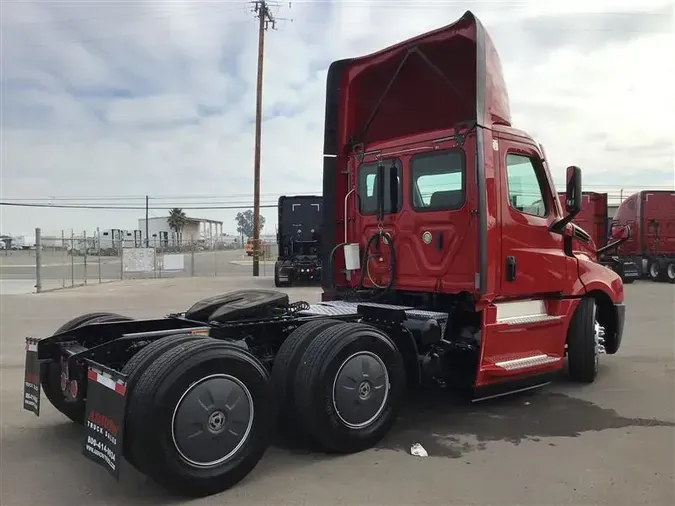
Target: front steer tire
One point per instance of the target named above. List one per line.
(51, 373)
(582, 353)
(222, 384)
(349, 366)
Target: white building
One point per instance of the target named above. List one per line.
(197, 230)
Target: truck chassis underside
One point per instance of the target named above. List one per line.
(277, 361)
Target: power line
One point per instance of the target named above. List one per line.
(124, 208)
(244, 198)
(157, 198)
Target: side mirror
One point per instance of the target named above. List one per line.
(573, 196)
(620, 232)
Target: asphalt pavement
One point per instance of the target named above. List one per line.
(611, 442)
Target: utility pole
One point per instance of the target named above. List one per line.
(147, 238)
(265, 20)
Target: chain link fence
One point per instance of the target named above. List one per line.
(69, 260)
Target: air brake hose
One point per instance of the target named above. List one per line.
(365, 261)
(332, 254)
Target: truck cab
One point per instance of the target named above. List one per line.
(434, 199)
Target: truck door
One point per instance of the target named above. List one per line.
(524, 336)
(532, 258)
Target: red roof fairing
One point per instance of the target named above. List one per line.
(446, 76)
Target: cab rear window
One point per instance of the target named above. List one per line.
(368, 187)
(438, 180)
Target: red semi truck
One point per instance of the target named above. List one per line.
(593, 218)
(449, 262)
(650, 214)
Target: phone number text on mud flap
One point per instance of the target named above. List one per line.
(30, 399)
(102, 431)
(102, 447)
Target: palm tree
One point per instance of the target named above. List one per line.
(177, 220)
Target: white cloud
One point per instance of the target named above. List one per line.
(135, 98)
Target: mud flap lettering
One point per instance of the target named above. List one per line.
(31, 382)
(630, 270)
(104, 417)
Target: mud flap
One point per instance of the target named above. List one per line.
(630, 271)
(104, 417)
(31, 382)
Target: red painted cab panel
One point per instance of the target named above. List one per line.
(376, 102)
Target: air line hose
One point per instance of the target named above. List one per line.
(365, 260)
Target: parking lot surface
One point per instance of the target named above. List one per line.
(612, 442)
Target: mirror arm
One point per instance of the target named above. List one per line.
(614, 244)
(609, 246)
(559, 226)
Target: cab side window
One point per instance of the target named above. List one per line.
(437, 181)
(368, 188)
(525, 193)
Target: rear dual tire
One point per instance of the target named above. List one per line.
(200, 417)
(286, 363)
(348, 387)
(670, 272)
(135, 368)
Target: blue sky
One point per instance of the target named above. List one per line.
(109, 99)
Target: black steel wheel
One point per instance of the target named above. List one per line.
(51, 381)
(202, 416)
(349, 386)
(286, 363)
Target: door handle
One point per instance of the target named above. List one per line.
(510, 268)
(439, 241)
